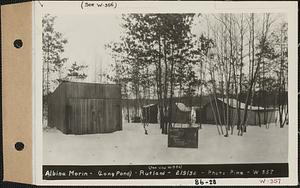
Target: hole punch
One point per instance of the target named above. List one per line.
(19, 146)
(18, 43)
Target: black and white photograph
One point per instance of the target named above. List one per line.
(165, 88)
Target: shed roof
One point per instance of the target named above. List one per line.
(88, 90)
(149, 105)
(234, 104)
(183, 107)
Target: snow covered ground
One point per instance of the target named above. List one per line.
(132, 146)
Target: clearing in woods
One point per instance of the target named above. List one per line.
(132, 146)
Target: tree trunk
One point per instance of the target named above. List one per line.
(171, 86)
(165, 95)
(159, 87)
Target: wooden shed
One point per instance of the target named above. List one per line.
(212, 110)
(85, 108)
(180, 113)
(218, 108)
(265, 116)
(149, 113)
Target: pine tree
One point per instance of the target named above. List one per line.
(76, 72)
(53, 47)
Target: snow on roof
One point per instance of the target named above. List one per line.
(234, 104)
(149, 105)
(182, 107)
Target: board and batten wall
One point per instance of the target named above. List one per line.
(218, 109)
(85, 108)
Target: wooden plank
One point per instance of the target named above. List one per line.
(76, 124)
(92, 115)
(106, 120)
(103, 119)
(82, 131)
(112, 117)
(88, 117)
(98, 123)
(79, 116)
(72, 120)
(100, 116)
(103, 114)
(95, 116)
(73, 124)
(66, 117)
(117, 114)
(120, 114)
(80, 112)
(70, 117)
(90, 120)
(85, 116)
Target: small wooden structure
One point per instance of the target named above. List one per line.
(217, 109)
(183, 137)
(85, 108)
(180, 113)
(149, 113)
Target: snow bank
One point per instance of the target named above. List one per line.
(132, 146)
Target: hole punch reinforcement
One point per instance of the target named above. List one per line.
(18, 43)
(19, 146)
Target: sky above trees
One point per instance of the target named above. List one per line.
(87, 35)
